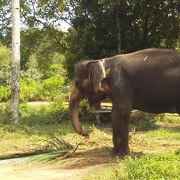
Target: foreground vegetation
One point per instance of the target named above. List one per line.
(154, 143)
(154, 166)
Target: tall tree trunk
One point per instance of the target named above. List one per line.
(15, 87)
(118, 25)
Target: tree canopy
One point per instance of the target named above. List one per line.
(98, 28)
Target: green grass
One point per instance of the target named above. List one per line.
(159, 166)
(37, 124)
(154, 166)
(169, 118)
(165, 133)
(154, 143)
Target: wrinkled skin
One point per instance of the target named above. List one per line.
(147, 80)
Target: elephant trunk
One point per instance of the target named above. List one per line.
(75, 98)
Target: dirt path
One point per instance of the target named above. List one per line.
(37, 173)
(47, 172)
(35, 168)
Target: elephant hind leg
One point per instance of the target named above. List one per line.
(120, 124)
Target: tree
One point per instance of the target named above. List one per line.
(15, 86)
(41, 33)
(5, 21)
(102, 28)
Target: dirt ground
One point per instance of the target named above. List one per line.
(75, 167)
(16, 172)
(81, 163)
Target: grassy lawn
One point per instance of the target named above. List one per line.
(154, 144)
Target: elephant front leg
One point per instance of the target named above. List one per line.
(120, 124)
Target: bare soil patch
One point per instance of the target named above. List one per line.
(16, 172)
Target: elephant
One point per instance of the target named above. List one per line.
(146, 80)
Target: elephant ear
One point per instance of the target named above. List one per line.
(96, 75)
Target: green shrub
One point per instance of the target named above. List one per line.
(56, 68)
(5, 93)
(5, 60)
(4, 112)
(33, 90)
(32, 70)
(32, 86)
(159, 166)
(29, 89)
(162, 166)
(53, 87)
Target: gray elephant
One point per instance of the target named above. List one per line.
(146, 80)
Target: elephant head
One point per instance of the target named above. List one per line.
(87, 83)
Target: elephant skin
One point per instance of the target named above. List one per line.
(146, 80)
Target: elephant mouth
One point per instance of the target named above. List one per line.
(96, 98)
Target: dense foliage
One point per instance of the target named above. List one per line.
(98, 28)
(34, 85)
(142, 24)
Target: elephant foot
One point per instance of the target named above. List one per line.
(120, 153)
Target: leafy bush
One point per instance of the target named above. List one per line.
(33, 90)
(29, 89)
(32, 70)
(4, 112)
(53, 87)
(162, 166)
(56, 68)
(32, 86)
(5, 59)
(159, 166)
(5, 93)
